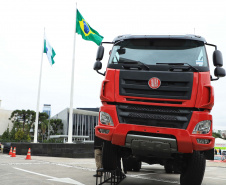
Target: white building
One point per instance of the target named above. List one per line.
(47, 109)
(4, 120)
(84, 121)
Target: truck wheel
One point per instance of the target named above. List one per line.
(194, 171)
(109, 156)
(168, 168)
(137, 166)
(128, 163)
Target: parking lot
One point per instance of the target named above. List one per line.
(54, 170)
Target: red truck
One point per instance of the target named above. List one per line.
(156, 103)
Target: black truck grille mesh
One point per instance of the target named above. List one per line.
(177, 85)
(170, 117)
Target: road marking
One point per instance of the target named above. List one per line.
(147, 170)
(83, 163)
(160, 180)
(223, 179)
(76, 167)
(155, 179)
(140, 174)
(51, 163)
(21, 163)
(64, 180)
(64, 165)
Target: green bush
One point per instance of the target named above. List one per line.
(6, 135)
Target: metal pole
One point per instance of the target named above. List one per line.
(72, 86)
(39, 89)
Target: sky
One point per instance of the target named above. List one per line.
(21, 41)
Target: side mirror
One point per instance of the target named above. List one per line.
(100, 53)
(219, 72)
(121, 51)
(97, 65)
(217, 59)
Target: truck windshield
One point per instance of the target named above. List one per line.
(154, 51)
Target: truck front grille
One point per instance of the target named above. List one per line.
(177, 85)
(170, 117)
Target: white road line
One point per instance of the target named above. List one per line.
(83, 163)
(139, 174)
(63, 180)
(33, 173)
(65, 165)
(51, 163)
(223, 179)
(150, 170)
(76, 167)
(21, 163)
(158, 179)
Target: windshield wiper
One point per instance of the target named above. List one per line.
(127, 63)
(180, 64)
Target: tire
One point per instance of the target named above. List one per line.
(136, 166)
(194, 169)
(168, 168)
(128, 164)
(132, 164)
(109, 157)
(129, 169)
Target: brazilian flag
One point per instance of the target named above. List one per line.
(85, 30)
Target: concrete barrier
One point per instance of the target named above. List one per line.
(78, 150)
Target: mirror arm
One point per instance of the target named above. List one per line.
(214, 79)
(107, 43)
(212, 45)
(100, 73)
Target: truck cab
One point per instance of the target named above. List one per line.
(156, 102)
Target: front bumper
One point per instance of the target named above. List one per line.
(186, 141)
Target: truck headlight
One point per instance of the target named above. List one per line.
(106, 119)
(203, 127)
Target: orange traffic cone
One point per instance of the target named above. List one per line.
(14, 152)
(11, 151)
(29, 154)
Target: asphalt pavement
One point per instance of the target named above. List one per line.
(58, 171)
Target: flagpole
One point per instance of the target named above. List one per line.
(39, 88)
(70, 125)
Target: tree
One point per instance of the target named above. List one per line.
(216, 135)
(44, 126)
(43, 116)
(23, 119)
(6, 135)
(12, 133)
(20, 135)
(56, 125)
